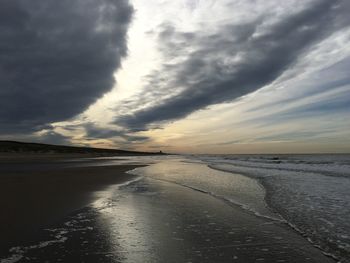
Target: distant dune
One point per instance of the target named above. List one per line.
(24, 147)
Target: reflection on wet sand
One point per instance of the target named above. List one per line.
(153, 221)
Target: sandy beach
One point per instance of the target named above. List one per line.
(36, 191)
(55, 212)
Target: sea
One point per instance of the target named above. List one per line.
(310, 193)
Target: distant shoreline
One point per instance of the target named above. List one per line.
(16, 147)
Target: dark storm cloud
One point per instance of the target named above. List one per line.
(52, 137)
(94, 132)
(57, 58)
(47, 136)
(203, 69)
(330, 78)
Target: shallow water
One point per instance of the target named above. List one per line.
(312, 192)
(235, 188)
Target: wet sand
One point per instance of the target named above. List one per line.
(154, 221)
(38, 191)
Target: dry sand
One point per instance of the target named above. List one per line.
(38, 191)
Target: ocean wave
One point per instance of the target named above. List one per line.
(315, 201)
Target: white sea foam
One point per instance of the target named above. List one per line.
(336, 165)
(312, 192)
(18, 253)
(55, 236)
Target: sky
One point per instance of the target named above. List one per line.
(185, 76)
